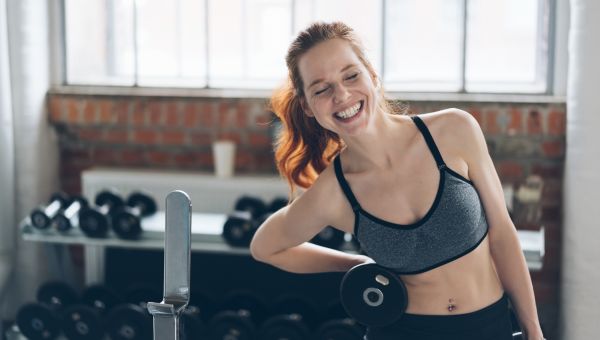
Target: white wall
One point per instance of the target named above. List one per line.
(580, 300)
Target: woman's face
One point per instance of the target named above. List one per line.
(339, 90)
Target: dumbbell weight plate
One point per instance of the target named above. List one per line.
(145, 203)
(56, 294)
(129, 322)
(340, 329)
(39, 216)
(239, 229)
(235, 325)
(254, 205)
(81, 322)
(63, 223)
(38, 322)
(286, 326)
(373, 295)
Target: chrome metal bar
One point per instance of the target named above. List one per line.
(176, 291)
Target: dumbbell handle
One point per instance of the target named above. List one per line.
(73, 209)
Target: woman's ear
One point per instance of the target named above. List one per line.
(305, 107)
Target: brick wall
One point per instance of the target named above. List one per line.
(176, 133)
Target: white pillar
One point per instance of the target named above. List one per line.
(580, 295)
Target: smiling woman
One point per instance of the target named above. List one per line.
(420, 194)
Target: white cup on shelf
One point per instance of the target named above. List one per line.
(224, 158)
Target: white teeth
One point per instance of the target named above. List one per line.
(350, 112)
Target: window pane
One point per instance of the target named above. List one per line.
(423, 45)
(99, 42)
(171, 42)
(364, 19)
(248, 41)
(502, 48)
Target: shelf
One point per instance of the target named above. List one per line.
(206, 237)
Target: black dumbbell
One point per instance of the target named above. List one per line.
(373, 295)
(192, 325)
(129, 322)
(41, 320)
(41, 217)
(329, 237)
(239, 317)
(293, 318)
(95, 222)
(127, 222)
(84, 321)
(276, 204)
(518, 336)
(340, 329)
(243, 222)
(64, 220)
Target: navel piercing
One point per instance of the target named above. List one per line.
(451, 305)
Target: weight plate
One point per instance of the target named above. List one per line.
(373, 295)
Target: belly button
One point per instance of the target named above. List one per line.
(451, 305)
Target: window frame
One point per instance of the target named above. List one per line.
(555, 85)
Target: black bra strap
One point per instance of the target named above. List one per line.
(430, 143)
(344, 184)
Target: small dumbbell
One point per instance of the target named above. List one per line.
(127, 222)
(41, 217)
(84, 321)
(329, 237)
(242, 223)
(276, 204)
(64, 220)
(239, 316)
(293, 318)
(95, 222)
(41, 320)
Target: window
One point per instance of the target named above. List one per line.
(499, 46)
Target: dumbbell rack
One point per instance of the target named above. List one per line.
(209, 194)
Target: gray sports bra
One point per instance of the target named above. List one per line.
(454, 225)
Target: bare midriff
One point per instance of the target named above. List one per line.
(464, 285)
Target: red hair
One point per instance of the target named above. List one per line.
(303, 148)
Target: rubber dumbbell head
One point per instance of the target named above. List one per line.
(95, 222)
(239, 228)
(129, 322)
(340, 329)
(240, 315)
(84, 321)
(373, 295)
(127, 222)
(276, 204)
(42, 320)
(294, 317)
(41, 217)
(254, 205)
(64, 220)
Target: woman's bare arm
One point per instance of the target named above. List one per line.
(282, 240)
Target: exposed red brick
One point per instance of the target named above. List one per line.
(241, 119)
(554, 170)
(155, 112)
(144, 136)
(516, 118)
(190, 115)
(200, 138)
(557, 123)
(173, 137)
(89, 134)
(56, 108)
(204, 158)
(476, 113)
(509, 170)
(104, 155)
(259, 140)
(534, 123)
(171, 114)
(233, 136)
(132, 157)
(553, 148)
(187, 159)
(138, 116)
(89, 112)
(73, 112)
(264, 119)
(121, 111)
(105, 106)
(491, 122)
(115, 136)
(160, 158)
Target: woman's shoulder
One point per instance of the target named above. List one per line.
(454, 126)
